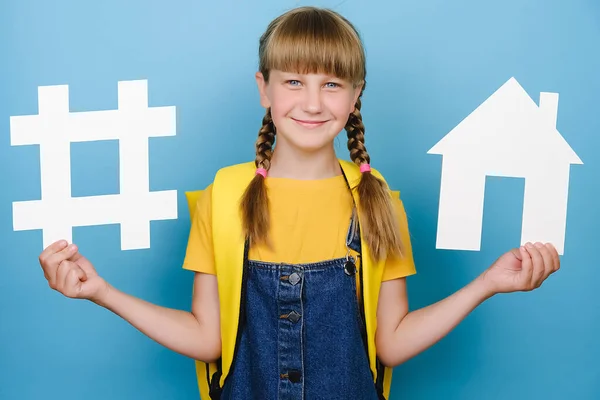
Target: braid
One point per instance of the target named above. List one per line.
(356, 136)
(255, 203)
(376, 212)
(264, 143)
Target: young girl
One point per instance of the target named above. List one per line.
(300, 258)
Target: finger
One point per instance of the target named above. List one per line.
(555, 256)
(73, 281)
(548, 260)
(517, 253)
(75, 257)
(84, 264)
(538, 265)
(58, 280)
(51, 266)
(52, 261)
(51, 249)
(526, 265)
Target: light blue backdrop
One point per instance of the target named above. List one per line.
(430, 63)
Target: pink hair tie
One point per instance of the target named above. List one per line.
(262, 172)
(365, 168)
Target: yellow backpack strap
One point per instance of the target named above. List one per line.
(370, 277)
(230, 250)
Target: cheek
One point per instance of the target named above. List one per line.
(281, 107)
(281, 104)
(341, 107)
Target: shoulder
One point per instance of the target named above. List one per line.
(199, 201)
(231, 181)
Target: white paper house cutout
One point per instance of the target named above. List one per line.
(507, 135)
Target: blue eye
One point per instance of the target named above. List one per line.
(334, 85)
(293, 82)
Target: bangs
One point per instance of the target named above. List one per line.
(314, 42)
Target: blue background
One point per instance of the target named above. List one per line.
(430, 63)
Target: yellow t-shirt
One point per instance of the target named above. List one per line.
(309, 223)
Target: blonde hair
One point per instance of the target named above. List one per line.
(315, 40)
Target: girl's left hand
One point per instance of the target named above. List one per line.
(523, 269)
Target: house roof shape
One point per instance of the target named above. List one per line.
(509, 120)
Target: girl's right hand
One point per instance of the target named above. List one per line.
(70, 273)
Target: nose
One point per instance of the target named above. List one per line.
(313, 103)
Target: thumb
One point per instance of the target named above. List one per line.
(517, 253)
(74, 280)
(83, 263)
(81, 275)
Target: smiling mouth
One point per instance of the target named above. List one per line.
(308, 123)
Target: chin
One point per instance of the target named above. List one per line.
(308, 146)
(310, 141)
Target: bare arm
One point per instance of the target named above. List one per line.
(402, 335)
(194, 334)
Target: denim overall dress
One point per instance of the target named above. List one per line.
(301, 335)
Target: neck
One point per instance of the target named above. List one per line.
(290, 163)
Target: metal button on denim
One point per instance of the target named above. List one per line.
(294, 376)
(349, 268)
(294, 278)
(293, 316)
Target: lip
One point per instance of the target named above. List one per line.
(308, 123)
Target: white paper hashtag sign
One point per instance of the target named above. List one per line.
(55, 128)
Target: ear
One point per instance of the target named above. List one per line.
(262, 90)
